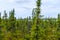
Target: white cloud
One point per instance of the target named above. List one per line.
(20, 8)
(50, 7)
(9, 0)
(24, 7)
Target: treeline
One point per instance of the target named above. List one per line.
(30, 28)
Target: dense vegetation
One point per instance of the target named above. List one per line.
(30, 28)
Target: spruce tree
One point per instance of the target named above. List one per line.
(35, 30)
(58, 27)
(12, 24)
(12, 20)
(0, 28)
(0, 20)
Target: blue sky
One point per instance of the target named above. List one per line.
(23, 8)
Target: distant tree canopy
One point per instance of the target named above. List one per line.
(30, 28)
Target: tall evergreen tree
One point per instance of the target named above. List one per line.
(35, 30)
(12, 20)
(58, 27)
(0, 27)
(0, 19)
(5, 15)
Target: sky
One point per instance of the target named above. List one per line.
(23, 8)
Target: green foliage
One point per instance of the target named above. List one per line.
(35, 28)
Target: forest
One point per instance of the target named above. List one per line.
(30, 28)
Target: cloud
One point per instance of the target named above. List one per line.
(24, 8)
(50, 8)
